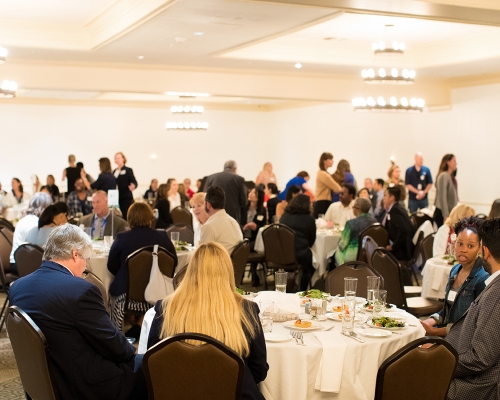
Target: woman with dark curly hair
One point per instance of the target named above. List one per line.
(298, 217)
(466, 280)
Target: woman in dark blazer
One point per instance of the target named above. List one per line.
(222, 314)
(163, 206)
(141, 234)
(126, 183)
(105, 181)
(298, 217)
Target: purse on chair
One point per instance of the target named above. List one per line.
(157, 286)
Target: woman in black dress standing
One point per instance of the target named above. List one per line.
(72, 173)
(126, 182)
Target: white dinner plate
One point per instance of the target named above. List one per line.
(276, 337)
(314, 327)
(336, 317)
(374, 333)
(398, 316)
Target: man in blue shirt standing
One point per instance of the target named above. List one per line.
(418, 182)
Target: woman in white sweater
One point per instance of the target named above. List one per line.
(445, 234)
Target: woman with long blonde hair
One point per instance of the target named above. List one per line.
(206, 302)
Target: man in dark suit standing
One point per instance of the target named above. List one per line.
(398, 225)
(234, 188)
(89, 358)
(475, 335)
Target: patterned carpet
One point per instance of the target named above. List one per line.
(10, 382)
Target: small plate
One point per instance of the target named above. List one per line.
(374, 333)
(336, 317)
(314, 327)
(276, 337)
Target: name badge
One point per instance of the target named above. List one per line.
(122, 172)
(422, 177)
(89, 198)
(388, 217)
(419, 186)
(260, 217)
(452, 295)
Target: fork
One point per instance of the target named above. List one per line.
(301, 338)
(295, 336)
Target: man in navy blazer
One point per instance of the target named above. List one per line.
(89, 358)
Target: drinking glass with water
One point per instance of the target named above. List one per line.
(280, 278)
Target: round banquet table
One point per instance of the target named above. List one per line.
(325, 245)
(14, 214)
(435, 277)
(98, 264)
(293, 370)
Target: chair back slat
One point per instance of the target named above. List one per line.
(334, 281)
(434, 366)
(28, 258)
(186, 233)
(239, 258)
(6, 238)
(6, 224)
(172, 362)
(139, 269)
(426, 247)
(182, 216)
(279, 243)
(389, 268)
(368, 246)
(179, 276)
(30, 350)
(94, 279)
(378, 233)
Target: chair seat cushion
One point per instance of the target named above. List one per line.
(422, 306)
(412, 291)
(256, 258)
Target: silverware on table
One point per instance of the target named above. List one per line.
(301, 338)
(330, 328)
(378, 327)
(353, 337)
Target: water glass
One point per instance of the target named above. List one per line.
(317, 308)
(379, 300)
(88, 231)
(372, 284)
(348, 314)
(280, 279)
(350, 285)
(174, 237)
(108, 241)
(266, 315)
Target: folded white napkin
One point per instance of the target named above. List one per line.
(285, 303)
(329, 376)
(321, 223)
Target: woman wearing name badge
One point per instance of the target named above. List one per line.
(466, 281)
(126, 183)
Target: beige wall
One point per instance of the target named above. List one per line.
(38, 138)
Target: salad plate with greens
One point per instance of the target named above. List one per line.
(387, 323)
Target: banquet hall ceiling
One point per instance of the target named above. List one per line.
(264, 37)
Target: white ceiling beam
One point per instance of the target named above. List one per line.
(122, 17)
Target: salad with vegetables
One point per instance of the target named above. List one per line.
(314, 294)
(241, 291)
(386, 322)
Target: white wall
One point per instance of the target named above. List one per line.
(38, 138)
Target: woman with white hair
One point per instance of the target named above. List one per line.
(38, 203)
(206, 302)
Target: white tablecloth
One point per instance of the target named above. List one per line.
(13, 214)
(293, 369)
(323, 248)
(435, 276)
(98, 264)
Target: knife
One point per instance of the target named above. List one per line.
(353, 337)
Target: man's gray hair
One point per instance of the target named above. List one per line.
(231, 164)
(63, 240)
(363, 204)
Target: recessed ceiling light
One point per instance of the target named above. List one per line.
(328, 38)
(199, 33)
(140, 57)
(298, 65)
(389, 25)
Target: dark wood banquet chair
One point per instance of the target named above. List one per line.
(179, 276)
(391, 270)
(28, 258)
(279, 247)
(94, 279)
(334, 281)
(186, 233)
(215, 372)
(368, 246)
(378, 233)
(7, 234)
(31, 352)
(418, 218)
(182, 216)
(431, 370)
(6, 224)
(6, 278)
(426, 248)
(139, 269)
(239, 257)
